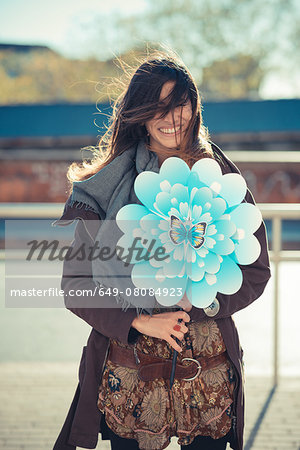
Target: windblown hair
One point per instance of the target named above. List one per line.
(140, 102)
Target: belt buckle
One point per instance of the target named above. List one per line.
(198, 368)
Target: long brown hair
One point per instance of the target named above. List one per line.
(138, 103)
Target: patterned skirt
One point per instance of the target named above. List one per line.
(151, 413)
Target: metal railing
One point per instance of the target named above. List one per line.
(276, 212)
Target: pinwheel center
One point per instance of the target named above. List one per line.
(184, 231)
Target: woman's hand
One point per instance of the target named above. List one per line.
(161, 326)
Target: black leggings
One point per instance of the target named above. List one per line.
(200, 442)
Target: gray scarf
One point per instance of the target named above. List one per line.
(106, 192)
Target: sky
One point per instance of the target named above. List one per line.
(53, 23)
(47, 22)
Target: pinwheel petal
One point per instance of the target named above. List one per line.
(141, 186)
(173, 267)
(247, 250)
(200, 293)
(129, 216)
(194, 272)
(175, 170)
(163, 202)
(225, 227)
(207, 170)
(145, 276)
(149, 221)
(218, 207)
(211, 263)
(230, 277)
(167, 291)
(233, 188)
(247, 217)
(202, 196)
(172, 291)
(223, 247)
(180, 192)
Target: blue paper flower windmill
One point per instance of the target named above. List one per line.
(199, 218)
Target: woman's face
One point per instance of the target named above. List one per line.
(162, 133)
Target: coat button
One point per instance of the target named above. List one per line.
(212, 309)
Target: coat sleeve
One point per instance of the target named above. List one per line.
(255, 278)
(77, 279)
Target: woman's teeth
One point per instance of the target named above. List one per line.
(169, 130)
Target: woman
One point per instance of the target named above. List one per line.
(119, 393)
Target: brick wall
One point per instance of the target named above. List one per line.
(33, 181)
(45, 181)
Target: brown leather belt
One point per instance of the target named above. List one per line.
(151, 367)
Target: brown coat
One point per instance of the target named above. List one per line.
(83, 422)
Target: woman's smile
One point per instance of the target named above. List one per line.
(170, 131)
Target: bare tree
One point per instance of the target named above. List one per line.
(203, 32)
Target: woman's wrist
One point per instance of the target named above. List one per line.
(139, 321)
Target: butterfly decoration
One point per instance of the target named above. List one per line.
(181, 232)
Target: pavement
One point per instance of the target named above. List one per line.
(35, 398)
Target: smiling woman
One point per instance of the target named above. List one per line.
(126, 365)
